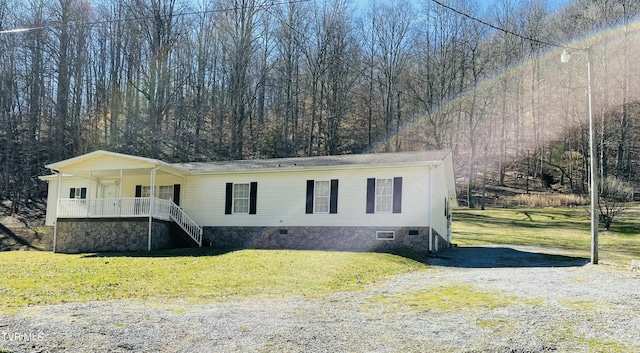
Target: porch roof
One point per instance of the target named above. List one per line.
(104, 163)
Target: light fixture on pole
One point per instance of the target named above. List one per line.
(593, 181)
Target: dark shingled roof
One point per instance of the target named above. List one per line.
(312, 162)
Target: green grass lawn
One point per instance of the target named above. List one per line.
(32, 278)
(561, 228)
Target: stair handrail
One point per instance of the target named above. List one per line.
(185, 222)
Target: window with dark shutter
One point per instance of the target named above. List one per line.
(322, 196)
(176, 194)
(384, 195)
(253, 198)
(78, 193)
(333, 202)
(241, 198)
(397, 195)
(228, 199)
(309, 201)
(371, 195)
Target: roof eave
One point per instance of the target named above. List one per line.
(312, 168)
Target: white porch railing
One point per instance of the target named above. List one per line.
(126, 207)
(130, 207)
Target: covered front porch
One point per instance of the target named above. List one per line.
(106, 185)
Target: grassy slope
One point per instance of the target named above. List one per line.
(28, 278)
(564, 228)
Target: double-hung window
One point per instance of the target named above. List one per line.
(241, 198)
(78, 193)
(165, 192)
(384, 195)
(145, 191)
(322, 193)
(322, 196)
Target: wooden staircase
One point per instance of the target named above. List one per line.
(167, 208)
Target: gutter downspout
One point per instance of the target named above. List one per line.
(430, 208)
(55, 223)
(152, 201)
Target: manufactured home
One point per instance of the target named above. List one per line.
(106, 201)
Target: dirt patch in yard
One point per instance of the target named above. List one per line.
(479, 299)
(19, 234)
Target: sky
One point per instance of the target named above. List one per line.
(553, 4)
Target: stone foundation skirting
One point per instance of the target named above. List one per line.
(323, 238)
(109, 234)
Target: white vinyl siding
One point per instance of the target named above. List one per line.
(281, 198)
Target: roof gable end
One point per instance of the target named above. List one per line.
(104, 160)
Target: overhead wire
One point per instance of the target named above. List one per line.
(496, 27)
(265, 5)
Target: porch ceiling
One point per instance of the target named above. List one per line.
(102, 174)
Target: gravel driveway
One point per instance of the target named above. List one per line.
(561, 304)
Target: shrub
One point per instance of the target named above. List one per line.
(544, 200)
(614, 195)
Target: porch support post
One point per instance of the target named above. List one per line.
(430, 208)
(152, 201)
(88, 200)
(55, 224)
(120, 196)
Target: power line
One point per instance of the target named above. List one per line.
(496, 27)
(265, 6)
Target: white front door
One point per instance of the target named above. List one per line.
(109, 191)
(109, 205)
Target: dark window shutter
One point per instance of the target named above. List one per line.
(446, 207)
(228, 198)
(176, 194)
(310, 188)
(253, 194)
(138, 190)
(333, 198)
(371, 195)
(72, 193)
(83, 193)
(397, 195)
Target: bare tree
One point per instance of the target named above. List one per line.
(393, 31)
(238, 22)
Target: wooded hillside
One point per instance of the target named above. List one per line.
(206, 80)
